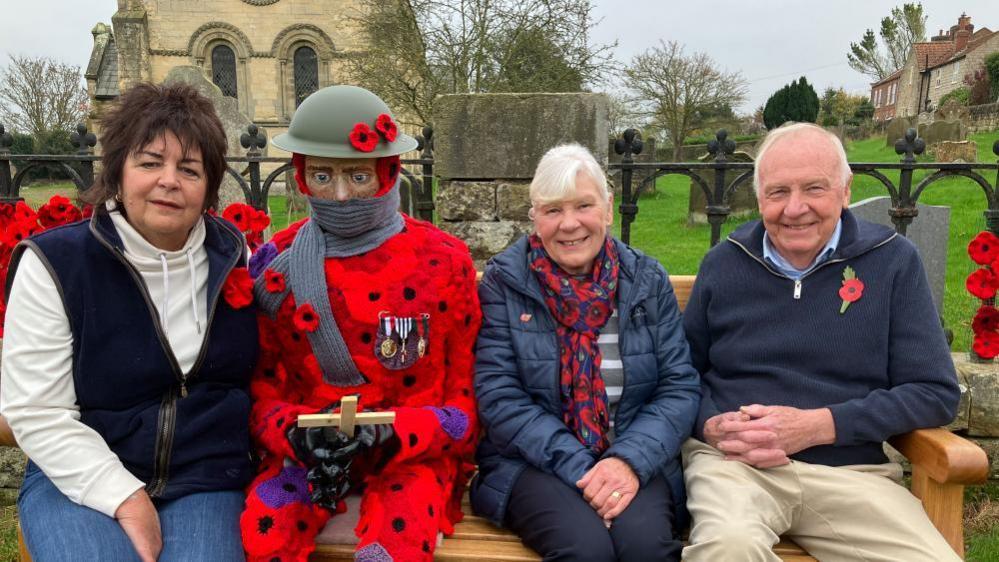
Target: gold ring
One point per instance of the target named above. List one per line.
(616, 495)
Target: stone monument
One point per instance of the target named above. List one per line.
(896, 129)
(929, 232)
(742, 202)
(486, 149)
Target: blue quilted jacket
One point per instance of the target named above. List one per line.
(516, 382)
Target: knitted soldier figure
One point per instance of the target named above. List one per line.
(359, 299)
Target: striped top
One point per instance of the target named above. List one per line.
(611, 369)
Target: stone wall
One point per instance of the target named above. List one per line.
(983, 118)
(487, 146)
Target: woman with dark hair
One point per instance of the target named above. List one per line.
(583, 380)
(129, 344)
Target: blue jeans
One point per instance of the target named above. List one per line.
(197, 527)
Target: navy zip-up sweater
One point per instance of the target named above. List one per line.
(882, 367)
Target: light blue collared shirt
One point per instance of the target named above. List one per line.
(773, 257)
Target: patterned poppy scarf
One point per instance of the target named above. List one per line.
(581, 308)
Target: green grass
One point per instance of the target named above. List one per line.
(661, 228)
(981, 523)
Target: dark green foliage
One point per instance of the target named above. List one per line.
(962, 95)
(865, 111)
(992, 70)
(51, 142)
(795, 102)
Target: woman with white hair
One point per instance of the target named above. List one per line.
(583, 381)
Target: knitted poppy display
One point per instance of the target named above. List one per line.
(19, 221)
(983, 284)
(421, 284)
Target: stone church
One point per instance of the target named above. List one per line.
(266, 54)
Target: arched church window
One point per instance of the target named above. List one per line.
(224, 69)
(306, 73)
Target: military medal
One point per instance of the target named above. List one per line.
(388, 347)
(404, 326)
(422, 329)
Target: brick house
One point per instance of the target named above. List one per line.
(938, 66)
(884, 93)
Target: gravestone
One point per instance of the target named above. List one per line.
(929, 232)
(742, 202)
(896, 129)
(955, 151)
(948, 124)
(234, 123)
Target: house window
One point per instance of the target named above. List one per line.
(937, 73)
(306, 71)
(957, 72)
(892, 93)
(224, 70)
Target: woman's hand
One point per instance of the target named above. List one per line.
(138, 518)
(609, 487)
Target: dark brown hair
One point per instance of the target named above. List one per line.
(143, 114)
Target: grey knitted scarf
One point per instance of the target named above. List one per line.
(337, 229)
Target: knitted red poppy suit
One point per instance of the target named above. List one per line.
(419, 271)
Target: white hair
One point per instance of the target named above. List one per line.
(794, 129)
(555, 176)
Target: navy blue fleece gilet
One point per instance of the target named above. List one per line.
(127, 379)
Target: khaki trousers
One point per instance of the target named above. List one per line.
(858, 512)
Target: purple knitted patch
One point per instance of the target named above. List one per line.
(288, 486)
(262, 258)
(453, 421)
(374, 552)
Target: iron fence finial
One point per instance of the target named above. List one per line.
(425, 142)
(721, 146)
(84, 141)
(911, 145)
(254, 140)
(629, 144)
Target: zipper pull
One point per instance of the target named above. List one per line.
(183, 389)
(797, 289)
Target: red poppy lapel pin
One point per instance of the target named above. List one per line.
(852, 289)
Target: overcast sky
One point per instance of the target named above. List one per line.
(770, 41)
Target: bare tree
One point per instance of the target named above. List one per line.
(416, 50)
(39, 95)
(675, 89)
(906, 25)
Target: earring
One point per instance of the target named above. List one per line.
(117, 197)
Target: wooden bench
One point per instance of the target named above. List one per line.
(942, 465)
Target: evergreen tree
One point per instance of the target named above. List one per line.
(796, 101)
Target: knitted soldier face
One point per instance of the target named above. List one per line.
(341, 179)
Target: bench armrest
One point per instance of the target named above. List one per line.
(6, 435)
(943, 456)
(942, 463)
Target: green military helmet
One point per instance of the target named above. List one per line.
(343, 122)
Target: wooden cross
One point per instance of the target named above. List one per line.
(348, 417)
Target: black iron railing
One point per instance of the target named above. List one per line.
(417, 192)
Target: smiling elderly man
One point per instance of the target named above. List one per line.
(816, 338)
